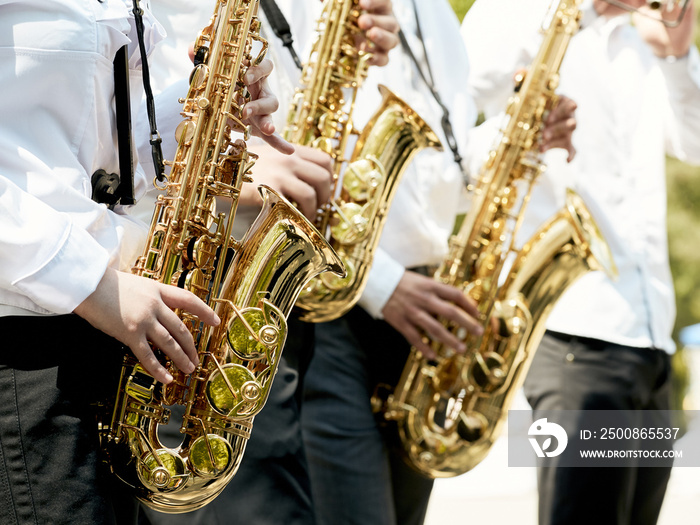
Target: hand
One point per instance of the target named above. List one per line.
(667, 41)
(303, 177)
(381, 30)
(263, 103)
(559, 127)
(136, 310)
(416, 304)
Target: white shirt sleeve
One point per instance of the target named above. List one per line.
(55, 242)
(682, 77)
(46, 257)
(384, 277)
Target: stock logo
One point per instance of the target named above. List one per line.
(541, 428)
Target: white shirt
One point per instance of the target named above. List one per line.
(633, 108)
(184, 19)
(432, 191)
(57, 129)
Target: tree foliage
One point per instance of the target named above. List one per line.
(461, 7)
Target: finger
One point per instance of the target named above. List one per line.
(175, 340)
(277, 142)
(450, 312)
(384, 22)
(190, 52)
(560, 136)
(175, 297)
(318, 176)
(317, 156)
(561, 130)
(264, 125)
(416, 339)
(143, 352)
(562, 142)
(376, 6)
(259, 72)
(264, 106)
(559, 123)
(303, 194)
(164, 341)
(382, 40)
(442, 335)
(564, 108)
(455, 296)
(379, 55)
(379, 27)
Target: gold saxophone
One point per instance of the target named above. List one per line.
(251, 284)
(449, 412)
(321, 117)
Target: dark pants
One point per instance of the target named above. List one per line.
(356, 478)
(572, 373)
(50, 471)
(271, 486)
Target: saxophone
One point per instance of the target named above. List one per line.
(321, 116)
(447, 413)
(251, 284)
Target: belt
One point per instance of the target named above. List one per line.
(89, 360)
(595, 344)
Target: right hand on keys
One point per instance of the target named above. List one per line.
(417, 303)
(135, 310)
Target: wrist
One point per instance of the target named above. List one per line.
(669, 53)
(674, 57)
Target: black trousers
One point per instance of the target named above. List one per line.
(357, 474)
(51, 369)
(573, 373)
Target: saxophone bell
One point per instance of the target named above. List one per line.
(387, 144)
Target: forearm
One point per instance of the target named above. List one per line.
(682, 79)
(384, 277)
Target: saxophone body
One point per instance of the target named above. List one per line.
(251, 284)
(363, 187)
(448, 412)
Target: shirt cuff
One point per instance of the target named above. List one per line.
(69, 277)
(679, 71)
(384, 277)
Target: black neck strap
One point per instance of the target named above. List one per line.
(125, 192)
(156, 150)
(280, 27)
(112, 188)
(429, 81)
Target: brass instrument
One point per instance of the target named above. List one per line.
(658, 10)
(448, 412)
(251, 284)
(321, 117)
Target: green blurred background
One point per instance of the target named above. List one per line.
(683, 232)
